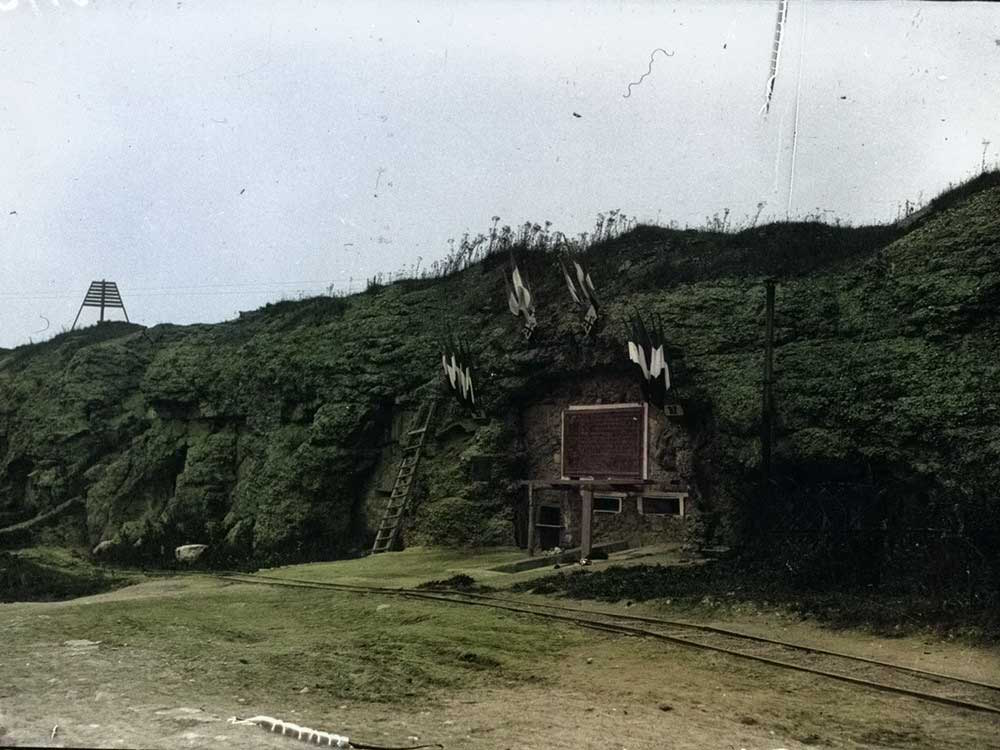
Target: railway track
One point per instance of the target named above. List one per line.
(873, 674)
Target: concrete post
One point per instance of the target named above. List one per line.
(586, 521)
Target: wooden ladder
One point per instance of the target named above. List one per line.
(395, 509)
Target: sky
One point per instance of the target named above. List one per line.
(212, 156)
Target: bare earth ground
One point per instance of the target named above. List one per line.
(560, 687)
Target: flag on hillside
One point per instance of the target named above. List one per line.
(581, 289)
(646, 349)
(520, 301)
(456, 359)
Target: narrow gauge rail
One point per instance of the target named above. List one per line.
(870, 673)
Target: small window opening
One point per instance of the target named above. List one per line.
(607, 504)
(661, 506)
(550, 515)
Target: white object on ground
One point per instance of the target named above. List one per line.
(303, 733)
(189, 552)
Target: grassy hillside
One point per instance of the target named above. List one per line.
(261, 435)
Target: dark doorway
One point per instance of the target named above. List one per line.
(549, 526)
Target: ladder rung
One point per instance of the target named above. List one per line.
(396, 507)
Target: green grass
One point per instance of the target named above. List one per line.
(260, 643)
(408, 568)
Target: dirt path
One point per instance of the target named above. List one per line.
(606, 692)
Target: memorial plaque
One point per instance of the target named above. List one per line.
(606, 442)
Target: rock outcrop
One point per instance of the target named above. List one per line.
(264, 436)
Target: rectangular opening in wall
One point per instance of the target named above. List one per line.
(549, 526)
(550, 515)
(608, 503)
(662, 505)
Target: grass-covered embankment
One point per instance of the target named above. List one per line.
(262, 436)
(410, 567)
(51, 574)
(742, 587)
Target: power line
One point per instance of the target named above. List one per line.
(192, 291)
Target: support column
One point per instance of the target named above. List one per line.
(586, 521)
(531, 520)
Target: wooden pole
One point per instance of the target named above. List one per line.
(586, 521)
(531, 520)
(73, 327)
(103, 288)
(767, 405)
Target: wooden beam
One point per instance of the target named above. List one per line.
(598, 483)
(586, 521)
(531, 520)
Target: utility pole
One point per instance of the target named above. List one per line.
(767, 404)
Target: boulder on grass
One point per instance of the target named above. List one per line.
(188, 553)
(103, 549)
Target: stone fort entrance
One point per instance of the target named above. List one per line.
(603, 487)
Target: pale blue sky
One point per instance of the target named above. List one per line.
(129, 129)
